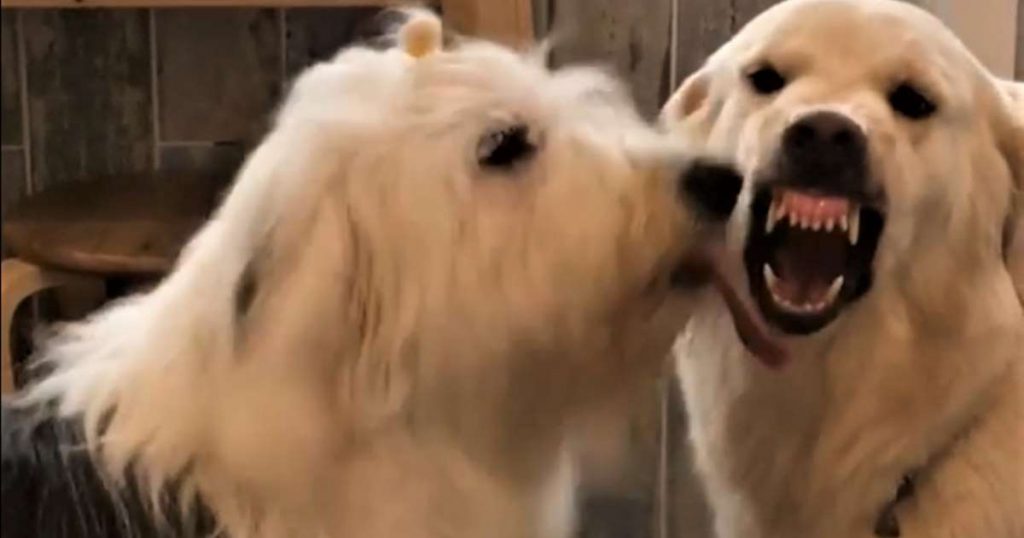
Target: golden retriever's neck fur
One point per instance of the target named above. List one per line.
(835, 431)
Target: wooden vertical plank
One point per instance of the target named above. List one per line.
(12, 181)
(745, 10)
(1020, 41)
(219, 73)
(703, 26)
(505, 21)
(89, 95)
(633, 37)
(541, 17)
(10, 99)
(315, 34)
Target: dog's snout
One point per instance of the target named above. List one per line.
(826, 147)
(713, 187)
(828, 134)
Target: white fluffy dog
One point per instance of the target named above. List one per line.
(879, 230)
(434, 263)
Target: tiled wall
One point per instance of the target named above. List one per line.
(92, 93)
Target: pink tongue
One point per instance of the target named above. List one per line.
(751, 329)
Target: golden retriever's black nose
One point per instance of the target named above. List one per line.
(713, 187)
(826, 150)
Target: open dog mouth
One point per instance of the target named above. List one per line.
(809, 254)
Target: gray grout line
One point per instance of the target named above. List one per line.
(154, 89)
(26, 127)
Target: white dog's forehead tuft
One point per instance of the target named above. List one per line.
(474, 83)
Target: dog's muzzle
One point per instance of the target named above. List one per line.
(816, 219)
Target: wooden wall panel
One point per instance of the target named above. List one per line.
(745, 10)
(633, 37)
(220, 72)
(1020, 41)
(314, 34)
(10, 99)
(12, 181)
(508, 21)
(89, 93)
(702, 26)
(705, 25)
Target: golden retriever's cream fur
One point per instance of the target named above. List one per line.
(925, 373)
(377, 336)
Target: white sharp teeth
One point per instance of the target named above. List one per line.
(844, 223)
(816, 225)
(833, 291)
(830, 224)
(774, 213)
(770, 277)
(793, 219)
(854, 225)
(804, 223)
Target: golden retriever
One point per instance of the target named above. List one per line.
(879, 231)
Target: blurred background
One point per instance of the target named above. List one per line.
(106, 98)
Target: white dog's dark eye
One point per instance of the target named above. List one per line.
(505, 147)
(766, 80)
(910, 103)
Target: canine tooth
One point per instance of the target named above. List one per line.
(844, 223)
(770, 277)
(833, 290)
(854, 226)
(774, 213)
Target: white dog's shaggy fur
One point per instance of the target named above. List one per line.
(385, 330)
(924, 374)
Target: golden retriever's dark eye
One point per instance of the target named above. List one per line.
(766, 80)
(910, 103)
(505, 147)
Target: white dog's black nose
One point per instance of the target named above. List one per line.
(713, 187)
(826, 150)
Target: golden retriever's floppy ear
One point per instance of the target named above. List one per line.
(689, 109)
(1012, 146)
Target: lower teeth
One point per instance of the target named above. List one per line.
(772, 281)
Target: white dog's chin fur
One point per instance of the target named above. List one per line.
(924, 373)
(424, 313)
